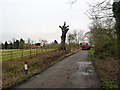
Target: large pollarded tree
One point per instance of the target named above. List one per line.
(64, 29)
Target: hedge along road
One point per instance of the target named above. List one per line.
(76, 71)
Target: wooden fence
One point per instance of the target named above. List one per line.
(22, 53)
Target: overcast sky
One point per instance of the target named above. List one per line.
(36, 19)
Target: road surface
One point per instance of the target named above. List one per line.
(76, 71)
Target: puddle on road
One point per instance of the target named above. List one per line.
(84, 63)
(37, 75)
(90, 71)
(83, 73)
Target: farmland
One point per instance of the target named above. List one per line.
(21, 53)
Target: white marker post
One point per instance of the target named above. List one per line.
(26, 69)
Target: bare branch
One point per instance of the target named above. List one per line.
(60, 27)
(100, 10)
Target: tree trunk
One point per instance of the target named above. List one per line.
(64, 29)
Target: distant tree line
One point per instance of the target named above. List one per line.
(20, 44)
(17, 44)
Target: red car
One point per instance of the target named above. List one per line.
(85, 45)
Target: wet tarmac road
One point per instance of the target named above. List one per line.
(75, 71)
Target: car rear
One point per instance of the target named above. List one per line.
(85, 46)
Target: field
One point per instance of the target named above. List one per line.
(22, 53)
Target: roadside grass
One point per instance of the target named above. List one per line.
(91, 51)
(13, 71)
(107, 70)
(12, 54)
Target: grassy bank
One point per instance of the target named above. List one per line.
(13, 71)
(107, 70)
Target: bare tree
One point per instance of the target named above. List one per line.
(100, 10)
(88, 35)
(75, 36)
(44, 42)
(80, 36)
(28, 41)
(70, 38)
(64, 29)
(72, 2)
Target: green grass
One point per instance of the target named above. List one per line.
(17, 53)
(91, 51)
(108, 83)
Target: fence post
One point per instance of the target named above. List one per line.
(36, 51)
(46, 49)
(11, 55)
(42, 50)
(30, 53)
(22, 53)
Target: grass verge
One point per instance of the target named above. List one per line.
(107, 70)
(13, 71)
